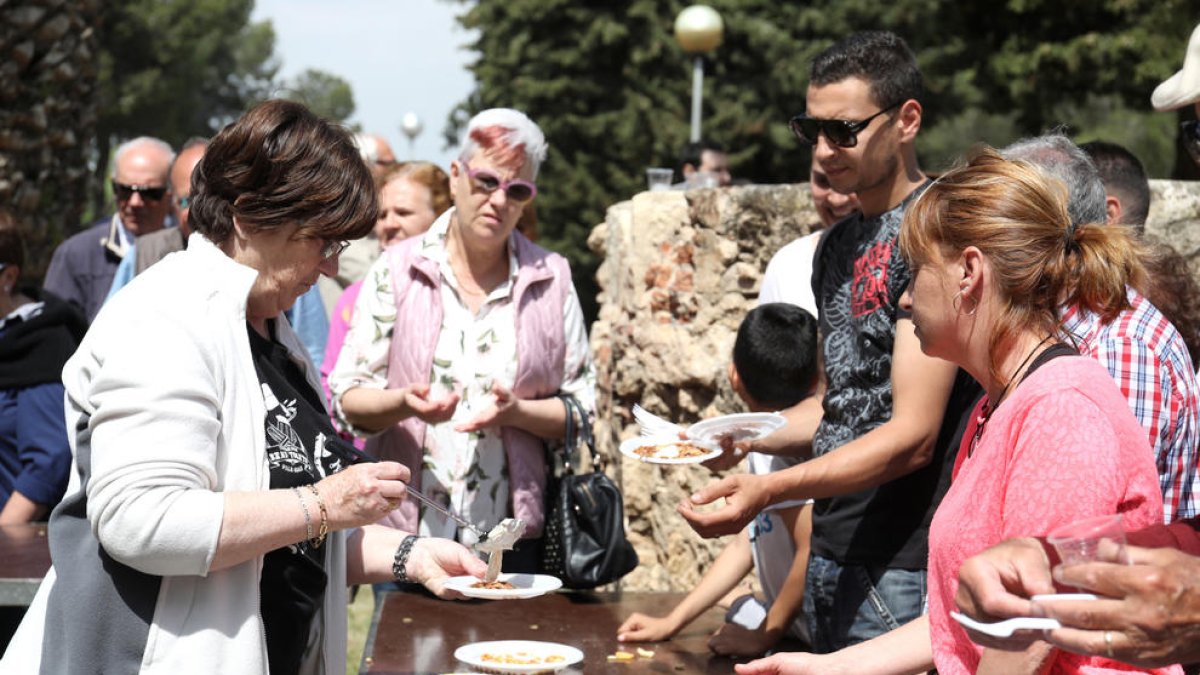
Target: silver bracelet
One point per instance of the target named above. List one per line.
(307, 518)
(401, 560)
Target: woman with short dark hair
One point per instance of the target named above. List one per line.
(213, 523)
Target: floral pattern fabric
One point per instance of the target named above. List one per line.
(466, 471)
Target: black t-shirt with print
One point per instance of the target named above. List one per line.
(858, 278)
(297, 428)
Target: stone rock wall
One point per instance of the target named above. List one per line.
(48, 74)
(680, 271)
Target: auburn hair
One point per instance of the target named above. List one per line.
(1016, 215)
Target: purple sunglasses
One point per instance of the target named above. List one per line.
(519, 191)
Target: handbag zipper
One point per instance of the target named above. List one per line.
(587, 492)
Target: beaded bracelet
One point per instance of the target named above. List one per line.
(401, 560)
(324, 529)
(307, 518)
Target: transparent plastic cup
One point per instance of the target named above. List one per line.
(1101, 538)
(658, 179)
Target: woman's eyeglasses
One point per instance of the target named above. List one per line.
(842, 133)
(124, 192)
(333, 247)
(519, 191)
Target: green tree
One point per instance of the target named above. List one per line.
(611, 88)
(177, 68)
(324, 93)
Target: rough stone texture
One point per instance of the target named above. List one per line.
(48, 75)
(680, 271)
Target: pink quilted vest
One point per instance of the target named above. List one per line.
(542, 283)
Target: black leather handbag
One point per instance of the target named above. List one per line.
(584, 543)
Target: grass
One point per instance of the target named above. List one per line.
(360, 624)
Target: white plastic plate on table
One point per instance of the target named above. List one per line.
(565, 655)
(526, 586)
(1006, 628)
(667, 455)
(744, 426)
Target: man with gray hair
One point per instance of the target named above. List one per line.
(1141, 349)
(82, 267)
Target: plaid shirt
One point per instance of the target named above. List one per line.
(1148, 359)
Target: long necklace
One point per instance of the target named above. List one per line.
(989, 409)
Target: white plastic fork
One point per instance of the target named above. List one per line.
(1004, 629)
(653, 425)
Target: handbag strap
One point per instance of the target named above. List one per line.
(577, 432)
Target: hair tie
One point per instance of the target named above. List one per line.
(1070, 242)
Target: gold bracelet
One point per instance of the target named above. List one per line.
(324, 529)
(307, 518)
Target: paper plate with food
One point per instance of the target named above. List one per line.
(518, 656)
(726, 430)
(669, 450)
(505, 587)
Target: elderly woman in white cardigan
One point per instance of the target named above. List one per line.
(212, 524)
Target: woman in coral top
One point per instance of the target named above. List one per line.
(994, 254)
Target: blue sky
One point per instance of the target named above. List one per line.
(398, 55)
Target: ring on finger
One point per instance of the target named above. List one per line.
(1108, 643)
(392, 504)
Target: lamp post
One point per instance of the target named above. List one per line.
(699, 30)
(411, 125)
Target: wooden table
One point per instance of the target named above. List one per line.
(417, 633)
(24, 561)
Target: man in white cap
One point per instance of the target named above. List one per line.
(1183, 88)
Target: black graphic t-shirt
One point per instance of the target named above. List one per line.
(858, 278)
(293, 578)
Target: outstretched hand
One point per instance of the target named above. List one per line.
(997, 583)
(1148, 614)
(494, 414)
(434, 560)
(429, 410)
(745, 496)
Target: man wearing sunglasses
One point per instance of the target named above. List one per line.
(83, 266)
(882, 436)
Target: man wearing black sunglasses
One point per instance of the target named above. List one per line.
(83, 266)
(882, 437)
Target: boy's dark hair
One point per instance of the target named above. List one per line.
(693, 152)
(1124, 175)
(12, 243)
(880, 58)
(775, 354)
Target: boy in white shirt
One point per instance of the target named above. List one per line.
(774, 367)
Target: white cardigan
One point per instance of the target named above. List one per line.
(177, 417)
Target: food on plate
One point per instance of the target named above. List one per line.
(678, 450)
(522, 658)
(494, 585)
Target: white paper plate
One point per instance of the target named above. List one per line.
(743, 426)
(526, 586)
(666, 455)
(560, 656)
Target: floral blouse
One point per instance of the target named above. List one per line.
(465, 471)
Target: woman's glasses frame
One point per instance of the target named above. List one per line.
(519, 191)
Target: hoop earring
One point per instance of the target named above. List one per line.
(956, 303)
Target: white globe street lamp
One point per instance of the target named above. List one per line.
(411, 125)
(699, 30)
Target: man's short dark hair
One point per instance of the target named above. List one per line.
(693, 153)
(775, 354)
(879, 57)
(1124, 176)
